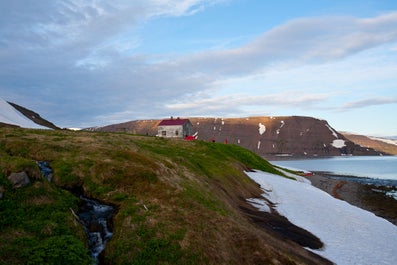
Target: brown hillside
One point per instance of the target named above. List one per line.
(372, 143)
(267, 136)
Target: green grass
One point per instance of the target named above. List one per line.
(174, 198)
(37, 226)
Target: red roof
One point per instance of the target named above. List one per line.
(171, 122)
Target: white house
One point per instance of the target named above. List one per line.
(174, 128)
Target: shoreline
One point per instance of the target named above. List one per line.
(368, 196)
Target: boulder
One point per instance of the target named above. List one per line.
(19, 179)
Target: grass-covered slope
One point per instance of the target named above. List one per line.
(178, 202)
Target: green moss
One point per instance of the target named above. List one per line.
(204, 198)
(59, 250)
(165, 191)
(39, 227)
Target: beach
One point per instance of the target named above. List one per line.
(371, 197)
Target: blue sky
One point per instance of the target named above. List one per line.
(90, 63)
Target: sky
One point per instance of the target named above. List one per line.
(83, 63)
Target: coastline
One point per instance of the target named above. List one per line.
(371, 197)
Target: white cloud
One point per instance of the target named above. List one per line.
(362, 103)
(300, 41)
(85, 51)
(235, 104)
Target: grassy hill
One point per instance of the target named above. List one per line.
(177, 202)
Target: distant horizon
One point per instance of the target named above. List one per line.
(91, 63)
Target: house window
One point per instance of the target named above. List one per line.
(163, 133)
(176, 132)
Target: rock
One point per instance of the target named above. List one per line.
(19, 179)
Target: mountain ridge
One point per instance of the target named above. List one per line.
(268, 136)
(14, 115)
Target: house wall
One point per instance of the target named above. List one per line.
(174, 131)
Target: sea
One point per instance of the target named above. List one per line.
(373, 167)
(380, 171)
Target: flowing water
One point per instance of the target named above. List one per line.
(97, 220)
(95, 216)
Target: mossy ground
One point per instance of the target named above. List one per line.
(177, 201)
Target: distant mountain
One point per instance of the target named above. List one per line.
(267, 136)
(12, 114)
(387, 145)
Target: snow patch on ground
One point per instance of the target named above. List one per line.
(350, 235)
(297, 177)
(260, 204)
(259, 144)
(262, 128)
(332, 131)
(9, 115)
(338, 143)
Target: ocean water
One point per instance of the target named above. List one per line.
(376, 167)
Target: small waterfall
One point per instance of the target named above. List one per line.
(97, 221)
(96, 217)
(45, 169)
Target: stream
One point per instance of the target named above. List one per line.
(97, 220)
(95, 216)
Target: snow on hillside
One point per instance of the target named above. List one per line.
(350, 235)
(332, 131)
(338, 143)
(10, 115)
(388, 141)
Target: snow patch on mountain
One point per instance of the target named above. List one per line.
(332, 130)
(9, 115)
(262, 128)
(338, 143)
(281, 126)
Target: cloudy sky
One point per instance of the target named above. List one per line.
(82, 63)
